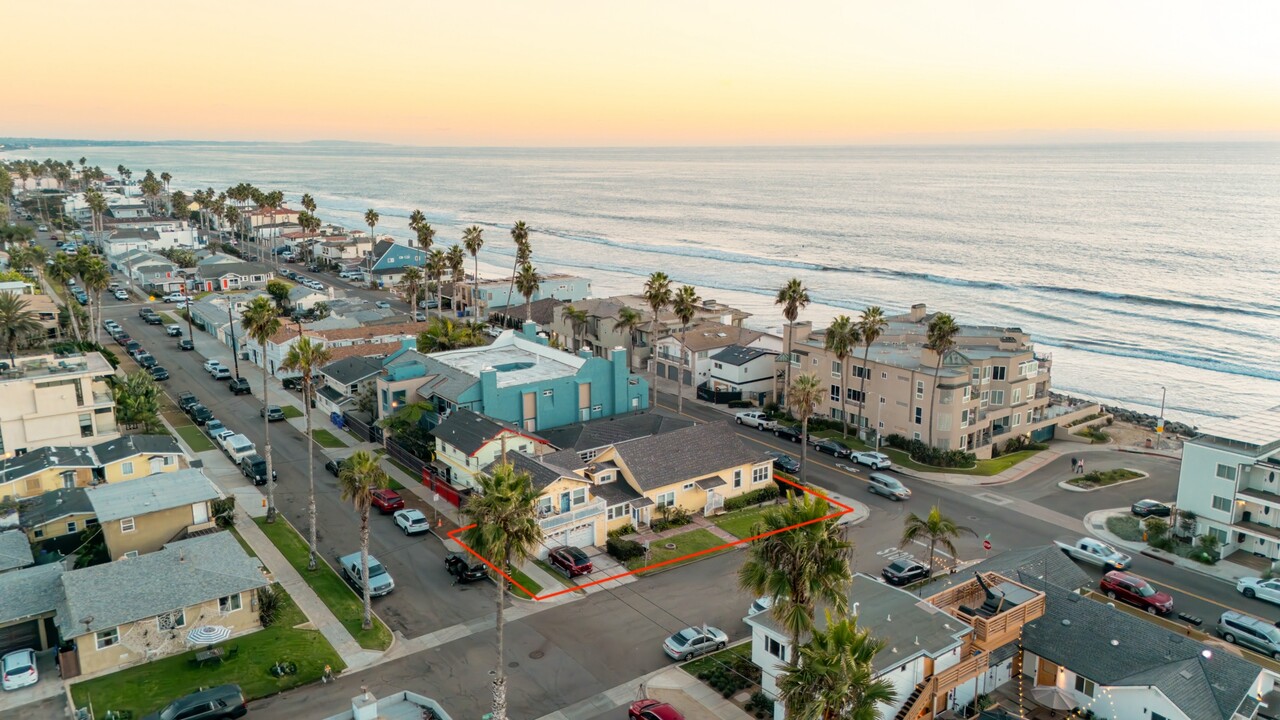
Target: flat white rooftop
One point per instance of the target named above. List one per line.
(1260, 428)
(516, 360)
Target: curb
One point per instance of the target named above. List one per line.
(1066, 484)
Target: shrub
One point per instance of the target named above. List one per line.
(624, 530)
(740, 403)
(624, 550)
(1155, 527)
(1125, 527)
(224, 511)
(1162, 543)
(268, 604)
(926, 454)
(755, 497)
(672, 517)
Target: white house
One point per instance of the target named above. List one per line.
(701, 342)
(1230, 478)
(748, 370)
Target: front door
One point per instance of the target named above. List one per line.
(564, 502)
(199, 513)
(1046, 673)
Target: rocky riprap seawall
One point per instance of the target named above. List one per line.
(1133, 417)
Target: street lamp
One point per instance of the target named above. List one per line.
(1160, 422)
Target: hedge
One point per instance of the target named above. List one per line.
(925, 454)
(623, 550)
(755, 497)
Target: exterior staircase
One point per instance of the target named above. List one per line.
(910, 704)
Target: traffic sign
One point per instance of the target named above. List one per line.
(986, 544)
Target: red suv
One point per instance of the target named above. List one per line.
(652, 710)
(570, 560)
(1135, 591)
(387, 501)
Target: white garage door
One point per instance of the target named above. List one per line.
(579, 536)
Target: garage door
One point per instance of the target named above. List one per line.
(579, 536)
(22, 635)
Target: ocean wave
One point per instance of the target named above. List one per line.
(1170, 356)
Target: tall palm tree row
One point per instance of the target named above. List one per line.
(524, 253)
(360, 475)
(841, 337)
(871, 325)
(308, 204)
(371, 218)
(307, 356)
(505, 532)
(793, 297)
(437, 266)
(657, 293)
(261, 323)
(527, 283)
(935, 527)
(832, 676)
(685, 305)
(941, 339)
(458, 271)
(426, 237)
(410, 285)
(629, 320)
(416, 220)
(802, 400)
(473, 240)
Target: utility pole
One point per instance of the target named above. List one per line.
(235, 351)
(1160, 422)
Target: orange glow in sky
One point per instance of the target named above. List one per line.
(657, 72)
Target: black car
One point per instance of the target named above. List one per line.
(465, 568)
(186, 345)
(200, 414)
(132, 347)
(146, 360)
(788, 432)
(1151, 508)
(158, 372)
(904, 572)
(292, 383)
(272, 413)
(335, 466)
(186, 400)
(254, 467)
(784, 462)
(219, 703)
(831, 447)
(238, 386)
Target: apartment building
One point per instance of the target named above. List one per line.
(991, 386)
(1230, 478)
(55, 400)
(490, 294)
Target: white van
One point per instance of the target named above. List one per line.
(237, 447)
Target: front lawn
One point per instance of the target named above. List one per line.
(290, 412)
(333, 590)
(1125, 527)
(195, 438)
(984, 468)
(147, 688)
(529, 584)
(327, 439)
(685, 543)
(725, 658)
(741, 523)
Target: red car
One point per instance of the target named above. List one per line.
(1134, 590)
(652, 710)
(387, 501)
(569, 560)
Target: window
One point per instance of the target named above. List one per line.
(997, 397)
(544, 505)
(597, 408)
(126, 525)
(998, 372)
(986, 397)
(835, 393)
(666, 499)
(38, 533)
(126, 468)
(854, 395)
(86, 425)
(944, 421)
(986, 375)
(71, 527)
(915, 435)
(884, 376)
(230, 603)
(171, 620)
(1221, 503)
(919, 416)
(835, 368)
(1017, 395)
(69, 479)
(974, 374)
(919, 389)
(580, 496)
(775, 648)
(687, 486)
(964, 418)
(1226, 472)
(1015, 420)
(1220, 534)
(106, 638)
(546, 393)
(1084, 686)
(618, 511)
(966, 395)
(718, 366)
(737, 478)
(759, 474)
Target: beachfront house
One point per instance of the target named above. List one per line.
(691, 363)
(491, 294)
(388, 261)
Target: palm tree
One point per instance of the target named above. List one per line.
(685, 306)
(519, 234)
(307, 357)
(360, 475)
(61, 271)
(832, 675)
(527, 283)
(437, 266)
(841, 337)
(657, 292)
(443, 334)
(473, 239)
(629, 321)
(505, 515)
(937, 528)
(16, 322)
(802, 400)
(416, 220)
(802, 561)
(96, 277)
(793, 297)
(871, 325)
(410, 285)
(578, 319)
(942, 337)
(426, 236)
(165, 177)
(262, 323)
(458, 268)
(311, 225)
(371, 218)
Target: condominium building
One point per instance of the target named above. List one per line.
(991, 386)
(55, 400)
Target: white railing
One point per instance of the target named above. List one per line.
(581, 512)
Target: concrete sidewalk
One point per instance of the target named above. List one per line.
(1096, 523)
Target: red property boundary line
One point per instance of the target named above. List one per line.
(455, 536)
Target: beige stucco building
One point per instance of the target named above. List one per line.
(139, 517)
(56, 400)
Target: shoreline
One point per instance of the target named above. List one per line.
(1133, 417)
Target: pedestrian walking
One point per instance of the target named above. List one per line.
(1074, 462)
(1080, 467)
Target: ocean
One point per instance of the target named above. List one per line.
(1137, 266)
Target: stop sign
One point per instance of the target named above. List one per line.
(986, 544)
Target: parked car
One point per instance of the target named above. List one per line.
(380, 582)
(254, 467)
(787, 432)
(784, 462)
(652, 710)
(144, 311)
(123, 339)
(200, 414)
(570, 560)
(146, 360)
(382, 305)
(121, 294)
(462, 565)
(292, 383)
(888, 486)
(158, 373)
(153, 319)
(216, 430)
(387, 501)
(873, 460)
(237, 447)
(760, 604)
(186, 345)
(419, 316)
(210, 365)
(272, 413)
(132, 347)
(1252, 587)
(905, 572)
(219, 703)
(755, 419)
(335, 466)
(186, 400)
(1150, 508)
(174, 297)
(110, 325)
(19, 669)
(239, 386)
(222, 374)
(1134, 590)
(831, 447)
(1249, 631)
(174, 330)
(412, 522)
(694, 641)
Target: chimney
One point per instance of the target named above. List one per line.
(918, 312)
(364, 706)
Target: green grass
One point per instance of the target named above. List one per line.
(167, 318)
(985, 468)
(333, 590)
(195, 438)
(149, 687)
(401, 467)
(1125, 527)
(327, 439)
(529, 583)
(740, 522)
(685, 543)
(1104, 478)
(725, 657)
(290, 412)
(394, 484)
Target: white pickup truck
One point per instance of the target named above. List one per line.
(1096, 552)
(757, 420)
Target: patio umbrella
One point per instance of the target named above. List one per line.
(1054, 697)
(208, 634)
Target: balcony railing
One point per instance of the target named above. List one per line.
(556, 518)
(992, 626)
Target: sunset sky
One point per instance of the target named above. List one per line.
(655, 72)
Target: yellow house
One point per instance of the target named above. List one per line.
(467, 442)
(139, 517)
(132, 611)
(59, 467)
(56, 518)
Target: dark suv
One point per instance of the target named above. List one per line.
(239, 386)
(569, 560)
(186, 400)
(200, 414)
(787, 432)
(224, 701)
(254, 467)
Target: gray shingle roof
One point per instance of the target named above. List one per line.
(15, 551)
(686, 454)
(129, 445)
(542, 473)
(153, 493)
(44, 458)
(612, 430)
(1144, 654)
(447, 382)
(180, 575)
(351, 370)
(243, 269)
(469, 431)
(1033, 567)
(46, 507)
(615, 493)
(29, 592)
